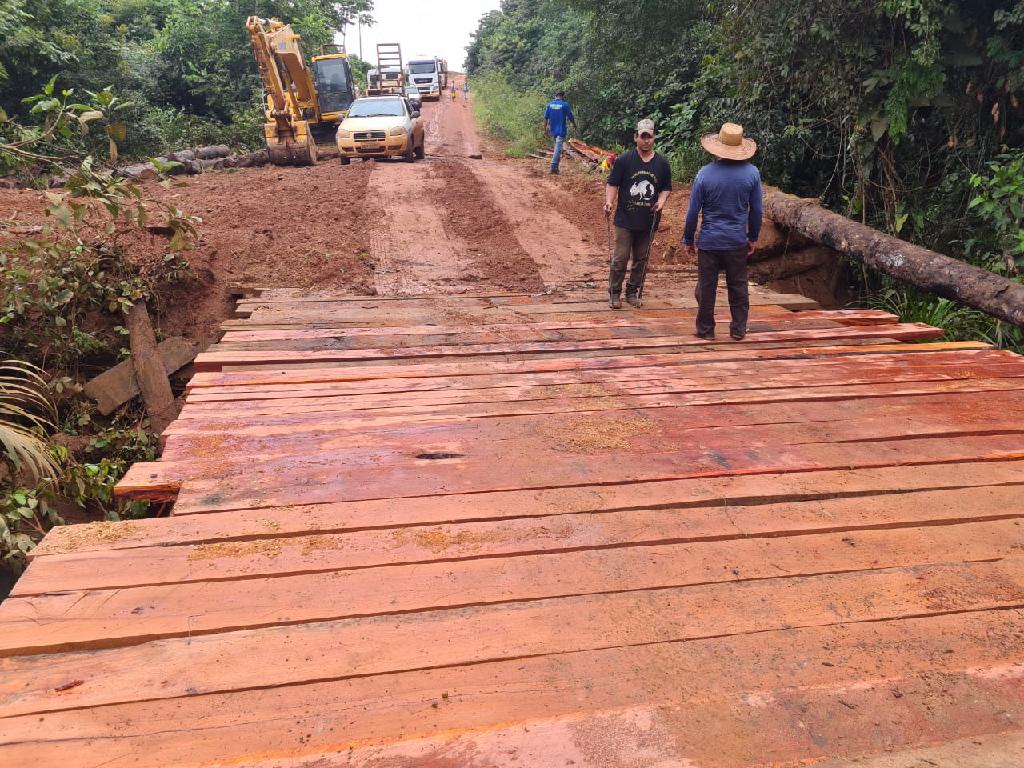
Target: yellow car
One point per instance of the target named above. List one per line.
(381, 126)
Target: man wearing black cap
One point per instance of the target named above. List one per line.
(637, 190)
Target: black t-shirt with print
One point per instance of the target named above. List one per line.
(639, 185)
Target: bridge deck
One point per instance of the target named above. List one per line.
(526, 531)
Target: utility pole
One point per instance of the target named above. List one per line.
(359, 26)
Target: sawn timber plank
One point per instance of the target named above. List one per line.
(273, 554)
(289, 655)
(109, 618)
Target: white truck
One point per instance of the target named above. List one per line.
(428, 74)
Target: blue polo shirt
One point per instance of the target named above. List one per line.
(558, 113)
(728, 195)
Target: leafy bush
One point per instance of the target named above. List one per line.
(56, 289)
(999, 208)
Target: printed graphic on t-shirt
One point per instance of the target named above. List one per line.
(642, 190)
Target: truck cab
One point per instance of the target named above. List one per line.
(426, 75)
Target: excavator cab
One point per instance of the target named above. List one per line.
(332, 75)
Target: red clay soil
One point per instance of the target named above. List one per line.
(296, 227)
(471, 214)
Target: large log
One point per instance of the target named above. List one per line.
(930, 271)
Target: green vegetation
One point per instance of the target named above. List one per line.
(63, 293)
(184, 68)
(897, 113)
(509, 114)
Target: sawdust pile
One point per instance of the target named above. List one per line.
(592, 432)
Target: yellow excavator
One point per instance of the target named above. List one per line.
(304, 104)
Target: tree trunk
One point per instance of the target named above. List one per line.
(149, 369)
(920, 267)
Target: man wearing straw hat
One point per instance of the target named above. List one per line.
(727, 194)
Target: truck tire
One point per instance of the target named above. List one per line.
(345, 160)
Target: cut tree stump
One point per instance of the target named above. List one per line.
(113, 388)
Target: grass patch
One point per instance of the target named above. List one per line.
(510, 115)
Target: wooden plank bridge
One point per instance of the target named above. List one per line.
(511, 530)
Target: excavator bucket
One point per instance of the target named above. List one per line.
(299, 149)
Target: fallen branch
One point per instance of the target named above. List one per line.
(925, 269)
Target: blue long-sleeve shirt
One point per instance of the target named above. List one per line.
(728, 193)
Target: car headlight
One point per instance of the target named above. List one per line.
(399, 131)
(344, 134)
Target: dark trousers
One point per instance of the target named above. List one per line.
(628, 241)
(734, 264)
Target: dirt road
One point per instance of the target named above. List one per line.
(453, 223)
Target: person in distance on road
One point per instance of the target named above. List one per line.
(557, 115)
(637, 190)
(728, 194)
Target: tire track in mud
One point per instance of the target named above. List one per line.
(471, 214)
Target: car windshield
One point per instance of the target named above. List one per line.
(422, 67)
(377, 108)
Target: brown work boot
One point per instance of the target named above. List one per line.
(633, 301)
(615, 302)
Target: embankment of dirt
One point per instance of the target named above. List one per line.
(296, 227)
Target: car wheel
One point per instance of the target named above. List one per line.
(410, 154)
(345, 160)
(421, 150)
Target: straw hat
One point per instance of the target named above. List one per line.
(729, 143)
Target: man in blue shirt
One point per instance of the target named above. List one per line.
(557, 115)
(727, 193)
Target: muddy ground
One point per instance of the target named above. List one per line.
(446, 224)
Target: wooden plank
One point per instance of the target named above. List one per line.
(846, 317)
(215, 360)
(734, 352)
(356, 412)
(636, 424)
(337, 650)
(744, 672)
(732, 373)
(860, 384)
(110, 618)
(323, 477)
(776, 493)
(274, 554)
(501, 335)
(118, 385)
(1002, 750)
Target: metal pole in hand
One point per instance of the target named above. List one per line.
(655, 220)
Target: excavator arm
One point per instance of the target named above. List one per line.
(291, 97)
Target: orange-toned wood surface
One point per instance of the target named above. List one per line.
(499, 531)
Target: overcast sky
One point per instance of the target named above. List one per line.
(423, 27)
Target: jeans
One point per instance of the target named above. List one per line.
(627, 240)
(734, 264)
(559, 141)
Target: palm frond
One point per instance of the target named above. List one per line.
(26, 414)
